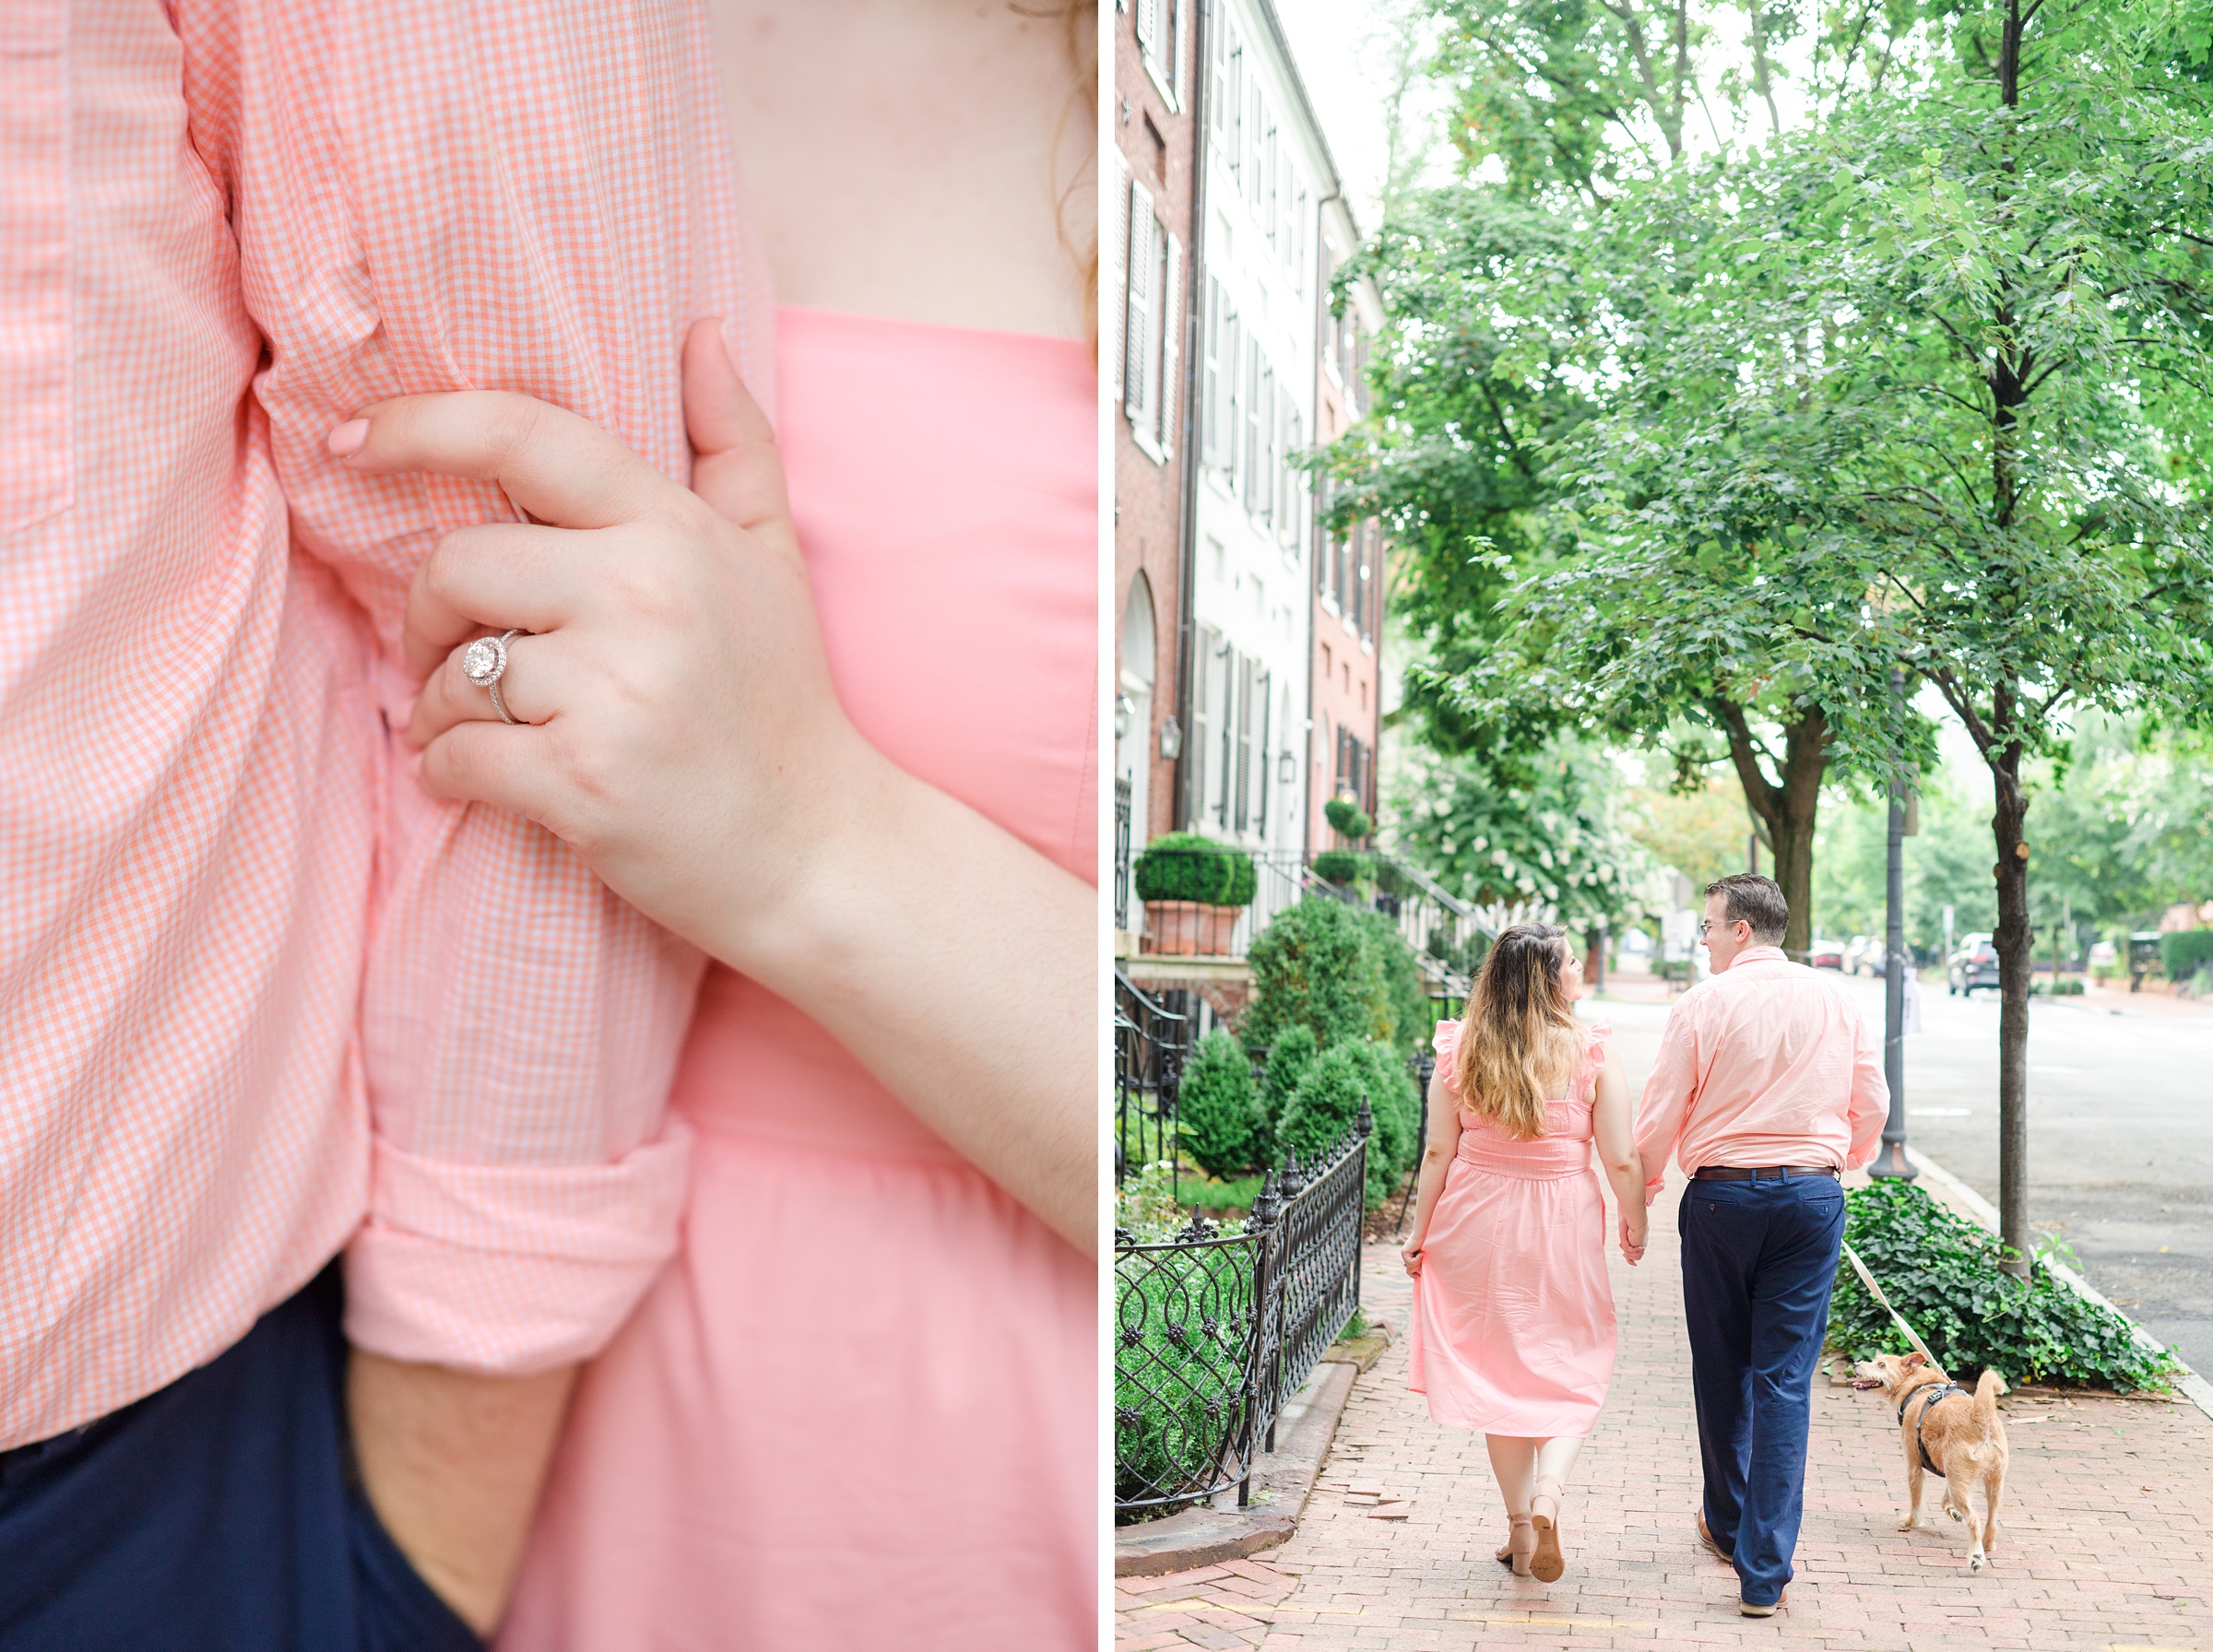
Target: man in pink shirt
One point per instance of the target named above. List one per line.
(1767, 1086)
(265, 1004)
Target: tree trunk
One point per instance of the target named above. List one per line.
(2013, 939)
(1788, 811)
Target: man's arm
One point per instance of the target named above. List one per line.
(1870, 1095)
(1669, 1090)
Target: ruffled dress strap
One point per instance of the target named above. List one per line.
(1594, 1058)
(1445, 1041)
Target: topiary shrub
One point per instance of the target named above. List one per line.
(1340, 867)
(1350, 819)
(2182, 952)
(1941, 1272)
(1190, 866)
(1406, 998)
(1224, 1129)
(1326, 1104)
(1396, 1104)
(1315, 967)
(1288, 1058)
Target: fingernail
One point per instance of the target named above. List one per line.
(346, 440)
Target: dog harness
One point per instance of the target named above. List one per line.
(1929, 1394)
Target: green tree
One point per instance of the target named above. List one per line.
(1315, 966)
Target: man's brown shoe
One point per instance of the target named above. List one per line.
(1751, 1610)
(1706, 1538)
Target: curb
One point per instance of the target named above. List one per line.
(1282, 1480)
(2193, 1388)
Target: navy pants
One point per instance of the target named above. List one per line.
(1760, 1259)
(219, 1513)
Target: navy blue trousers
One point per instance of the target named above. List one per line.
(1760, 1259)
(220, 1513)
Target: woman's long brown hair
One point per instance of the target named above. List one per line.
(1511, 1038)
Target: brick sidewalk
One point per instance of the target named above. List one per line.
(2105, 1539)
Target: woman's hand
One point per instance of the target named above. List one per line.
(688, 742)
(1633, 1235)
(1411, 1256)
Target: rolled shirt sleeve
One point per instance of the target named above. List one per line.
(504, 195)
(1870, 1105)
(1669, 1091)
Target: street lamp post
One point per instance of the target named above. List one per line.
(1893, 1161)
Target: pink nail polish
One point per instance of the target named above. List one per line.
(346, 440)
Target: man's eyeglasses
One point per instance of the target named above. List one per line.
(1716, 924)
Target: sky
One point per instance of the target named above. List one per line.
(1344, 59)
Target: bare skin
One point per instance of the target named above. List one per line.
(880, 182)
(1533, 1473)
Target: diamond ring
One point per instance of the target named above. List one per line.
(484, 662)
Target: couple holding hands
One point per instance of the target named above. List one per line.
(1767, 1086)
(547, 920)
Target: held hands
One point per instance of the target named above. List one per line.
(1633, 1234)
(686, 740)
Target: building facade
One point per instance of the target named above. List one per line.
(1151, 188)
(1345, 670)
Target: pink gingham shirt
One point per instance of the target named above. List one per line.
(260, 997)
(1767, 1063)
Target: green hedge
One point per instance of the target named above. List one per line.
(1340, 865)
(1349, 819)
(1224, 1130)
(1941, 1272)
(2182, 952)
(1315, 967)
(1327, 1104)
(1288, 1058)
(1184, 1370)
(1189, 866)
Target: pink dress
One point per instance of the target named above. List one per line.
(1513, 1315)
(860, 1409)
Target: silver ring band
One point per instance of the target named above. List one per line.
(484, 662)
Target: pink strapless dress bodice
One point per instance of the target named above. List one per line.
(859, 1410)
(1513, 1329)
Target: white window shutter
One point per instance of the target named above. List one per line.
(1210, 375)
(1119, 310)
(1148, 27)
(1144, 276)
(1178, 49)
(1171, 342)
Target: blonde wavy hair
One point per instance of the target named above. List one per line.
(1511, 1036)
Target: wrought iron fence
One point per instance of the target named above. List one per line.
(1213, 1329)
(1151, 1040)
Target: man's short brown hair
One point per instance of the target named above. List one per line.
(1756, 901)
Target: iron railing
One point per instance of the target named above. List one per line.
(1213, 1330)
(1152, 1040)
(1446, 934)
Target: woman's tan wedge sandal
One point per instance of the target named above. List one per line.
(1548, 1563)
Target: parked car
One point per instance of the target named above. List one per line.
(1855, 953)
(1973, 963)
(1826, 954)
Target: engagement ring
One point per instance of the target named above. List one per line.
(484, 662)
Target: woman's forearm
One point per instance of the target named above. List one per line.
(960, 967)
(1437, 1163)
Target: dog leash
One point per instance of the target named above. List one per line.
(1868, 1279)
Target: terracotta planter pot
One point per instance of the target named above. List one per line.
(1189, 929)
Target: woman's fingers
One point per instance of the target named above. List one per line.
(540, 680)
(494, 576)
(559, 467)
(735, 467)
(488, 763)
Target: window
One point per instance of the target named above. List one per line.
(1250, 452)
(1204, 670)
(1270, 468)
(1211, 378)
(1160, 43)
(1260, 754)
(1244, 745)
(1153, 321)
(1290, 521)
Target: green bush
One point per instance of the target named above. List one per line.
(1941, 1272)
(1288, 1058)
(1179, 1372)
(1189, 866)
(1223, 1127)
(1406, 998)
(1396, 1104)
(1326, 1104)
(1315, 966)
(1340, 865)
(2182, 952)
(1350, 819)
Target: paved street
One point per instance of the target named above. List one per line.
(2120, 1133)
(2105, 1540)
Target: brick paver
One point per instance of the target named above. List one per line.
(2105, 1539)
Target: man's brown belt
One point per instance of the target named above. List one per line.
(1742, 1172)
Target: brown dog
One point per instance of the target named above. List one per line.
(1950, 1431)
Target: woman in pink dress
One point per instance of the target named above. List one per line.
(1513, 1318)
(846, 744)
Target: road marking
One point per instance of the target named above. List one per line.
(1519, 1620)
